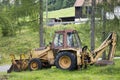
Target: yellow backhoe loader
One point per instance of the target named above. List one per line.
(65, 52)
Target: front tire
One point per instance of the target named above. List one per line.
(35, 64)
(66, 61)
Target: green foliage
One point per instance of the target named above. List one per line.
(67, 3)
(14, 16)
(59, 4)
(110, 25)
(26, 8)
(8, 29)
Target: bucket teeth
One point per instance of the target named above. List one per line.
(18, 65)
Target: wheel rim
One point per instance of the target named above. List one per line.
(64, 62)
(34, 66)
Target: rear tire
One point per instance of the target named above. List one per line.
(35, 64)
(66, 61)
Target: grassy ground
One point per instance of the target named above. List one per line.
(111, 72)
(67, 12)
(21, 43)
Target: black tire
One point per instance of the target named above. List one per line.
(63, 63)
(34, 64)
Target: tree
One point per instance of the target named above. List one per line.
(6, 22)
(41, 31)
(93, 26)
(110, 25)
(64, 4)
(58, 4)
(67, 3)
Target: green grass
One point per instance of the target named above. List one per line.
(21, 43)
(110, 72)
(61, 13)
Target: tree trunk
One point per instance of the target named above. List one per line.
(93, 26)
(104, 33)
(41, 30)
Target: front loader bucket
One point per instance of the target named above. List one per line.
(18, 65)
(13, 67)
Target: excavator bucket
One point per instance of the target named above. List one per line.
(104, 63)
(18, 65)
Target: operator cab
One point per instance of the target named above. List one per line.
(66, 39)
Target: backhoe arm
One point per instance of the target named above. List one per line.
(110, 42)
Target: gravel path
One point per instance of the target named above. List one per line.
(4, 68)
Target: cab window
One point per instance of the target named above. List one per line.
(72, 40)
(58, 42)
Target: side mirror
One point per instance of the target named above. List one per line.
(84, 48)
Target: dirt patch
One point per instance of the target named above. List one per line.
(4, 77)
